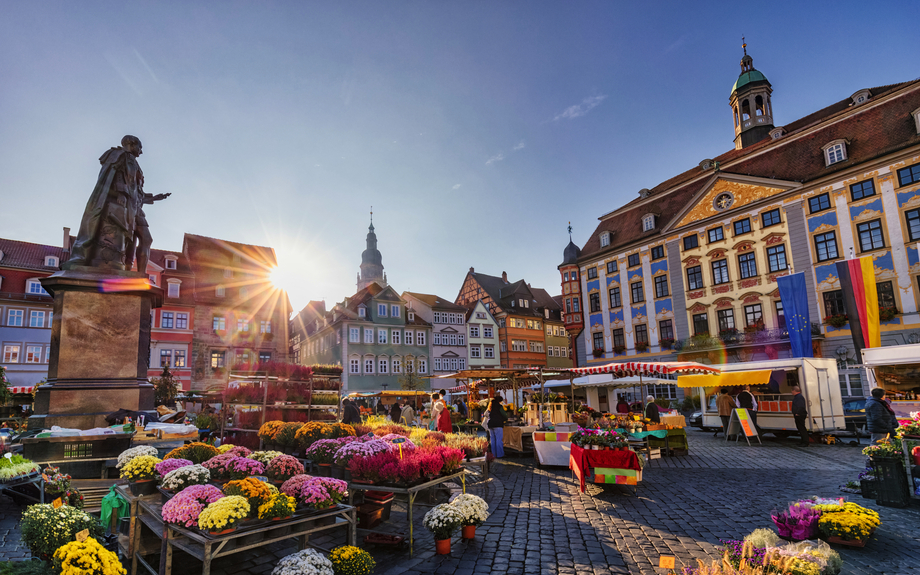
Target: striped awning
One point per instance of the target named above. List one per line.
(647, 368)
(22, 389)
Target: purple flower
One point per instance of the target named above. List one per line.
(168, 465)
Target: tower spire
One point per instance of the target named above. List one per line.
(744, 45)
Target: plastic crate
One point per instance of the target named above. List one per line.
(893, 490)
(74, 449)
(370, 515)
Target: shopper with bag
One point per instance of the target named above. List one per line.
(496, 425)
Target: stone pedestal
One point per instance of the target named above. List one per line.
(100, 347)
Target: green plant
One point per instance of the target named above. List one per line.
(206, 421)
(45, 529)
(5, 394)
(887, 313)
(838, 320)
(33, 567)
(165, 387)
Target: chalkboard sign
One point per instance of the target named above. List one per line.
(741, 422)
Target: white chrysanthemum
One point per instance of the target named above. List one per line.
(475, 510)
(129, 454)
(306, 562)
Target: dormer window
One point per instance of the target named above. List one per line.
(411, 315)
(228, 273)
(916, 115)
(648, 222)
(777, 133)
(835, 152)
(51, 261)
(170, 263)
(861, 97)
(173, 288)
(605, 239)
(362, 312)
(220, 291)
(153, 279)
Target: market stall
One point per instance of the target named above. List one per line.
(896, 369)
(552, 447)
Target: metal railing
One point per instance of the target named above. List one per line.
(735, 338)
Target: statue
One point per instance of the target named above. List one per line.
(114, 218)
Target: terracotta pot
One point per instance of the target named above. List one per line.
(847, 542)
(224, 532)
(442, 546)
(469, 531)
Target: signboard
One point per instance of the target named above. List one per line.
(741, 422)
(666, 562)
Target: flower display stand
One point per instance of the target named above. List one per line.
(207, 548)
(606, 467)
(552, 448)
(410, 492)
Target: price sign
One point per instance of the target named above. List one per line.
(45, 477)
(399, 440)
(8, 456)
(666, 562)
(57, 503)
(82, 535)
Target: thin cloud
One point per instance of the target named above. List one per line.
(496, 158)
(519, 146)
(579, 110)
(456, 187)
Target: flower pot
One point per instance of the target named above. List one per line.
(143, 488)
(442, 546)
(325, 469)
(222, 532)
(847, 542)
(469, 531)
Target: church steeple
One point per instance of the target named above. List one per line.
(371, 260)
(750, 102)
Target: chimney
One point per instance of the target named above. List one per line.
(66, 244)
(471, 269)
(505, 277)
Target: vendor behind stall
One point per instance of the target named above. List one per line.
(880, 418)
(651, 409)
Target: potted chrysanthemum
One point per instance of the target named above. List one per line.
(224, 515)
(141, 472)
(351, 560)
(306, 562)
(442, 521)
(475, 511)
(279, 506)
(86, 556)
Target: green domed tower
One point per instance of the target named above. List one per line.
(750, 102)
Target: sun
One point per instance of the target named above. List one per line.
(277, 277)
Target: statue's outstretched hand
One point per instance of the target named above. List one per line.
(159, 197)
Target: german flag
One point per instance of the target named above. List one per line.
(857, 280)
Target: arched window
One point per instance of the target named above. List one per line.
(758, 104)
(745, 110)
(736, 116)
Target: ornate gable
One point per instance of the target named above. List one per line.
(724, 195)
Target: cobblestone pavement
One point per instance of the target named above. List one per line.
(541, 524)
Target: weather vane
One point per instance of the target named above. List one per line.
(372, 214)
(570, 231)
(744, 45)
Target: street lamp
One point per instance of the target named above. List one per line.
(384, 386)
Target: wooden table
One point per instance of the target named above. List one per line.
(207, 548)
(674, 420)
(410, 492)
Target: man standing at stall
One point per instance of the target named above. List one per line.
(725, 404)
(800, 413)
(747, 401)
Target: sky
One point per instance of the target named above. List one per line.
(477, 130)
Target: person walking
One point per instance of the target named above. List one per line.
(350, 413)
(444, 422)
(437, 406)
(725, 404)
(880, 418)
(800, 414)
(497, 420)
(395, 411)
(407, 415)
(651, 410)
(747, 401)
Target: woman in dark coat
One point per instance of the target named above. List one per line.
(497, 420)
(395, 411)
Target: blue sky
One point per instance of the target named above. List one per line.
(477, 130)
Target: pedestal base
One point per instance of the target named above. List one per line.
(100, 346)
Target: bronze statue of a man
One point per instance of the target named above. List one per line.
(113, 213)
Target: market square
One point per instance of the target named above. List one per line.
(725, 380)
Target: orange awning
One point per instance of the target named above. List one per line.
(725, 379)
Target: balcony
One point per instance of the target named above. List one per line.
(734, 338)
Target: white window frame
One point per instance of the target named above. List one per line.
(220, 291)
(395, 337)
(835, 152)
(242, 324)
(177, 353)
(605, 239)
(422, 366)
(172, 288)
(369, 362)
(11, 353)
(265, 326)
(474, 331)
(51, 261)
(182, 317)
(382, 335)
(409, 339)
(453, 339)
(475, 351)
(420, 338)
(34, 287)
(170, 263)
(436, 362)
(383, 365)
(488, 351)
(167, 354)
(394, 310)
(461, 339)
(30, 350)
(362, 312)
(354, 335)
(487, 332)
(368, 335)
(36, 314)
(221, 323)
(397, 365)
(648, 222)
(354, 365)
(381, 310)
(228, 273)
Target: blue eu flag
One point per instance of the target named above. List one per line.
(794, 296)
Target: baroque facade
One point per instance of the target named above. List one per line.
(688, 269)
(448, 333)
